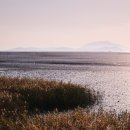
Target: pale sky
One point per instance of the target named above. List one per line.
(68, 23)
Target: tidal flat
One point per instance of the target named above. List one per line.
(108, 73)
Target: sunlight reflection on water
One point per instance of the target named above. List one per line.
(113, 81)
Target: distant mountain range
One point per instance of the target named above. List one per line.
(100, 46)
(30, 49)
(103, 46)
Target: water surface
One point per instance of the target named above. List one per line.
(108, 73)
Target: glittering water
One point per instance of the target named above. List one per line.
(108, 73)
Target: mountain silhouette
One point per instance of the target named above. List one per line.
(99, 46)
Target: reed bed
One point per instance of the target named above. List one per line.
(78, 119)
(27, 104)
(34, 94)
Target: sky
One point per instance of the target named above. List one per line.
(68, 23)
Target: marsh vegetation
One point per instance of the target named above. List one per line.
(36, 104)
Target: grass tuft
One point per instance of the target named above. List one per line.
(42, 95)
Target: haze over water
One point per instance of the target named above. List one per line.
(108, 73)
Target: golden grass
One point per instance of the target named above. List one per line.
(77, 119)
(42, 95)
(25, 105)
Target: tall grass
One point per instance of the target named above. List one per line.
(77, 119)
(27, 104)
(42, 95)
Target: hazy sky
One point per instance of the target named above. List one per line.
(68, 23)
